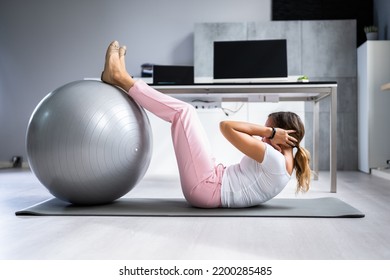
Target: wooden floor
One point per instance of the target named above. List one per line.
(197, 238)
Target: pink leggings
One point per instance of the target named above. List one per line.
(200, 177)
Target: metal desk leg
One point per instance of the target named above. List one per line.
(333, 141)
(316, 138)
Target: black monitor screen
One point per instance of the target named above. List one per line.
(250, 59)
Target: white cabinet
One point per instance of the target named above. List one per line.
(373, 105)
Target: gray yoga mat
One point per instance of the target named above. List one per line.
(327, 207)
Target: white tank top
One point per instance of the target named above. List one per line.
(251, 183)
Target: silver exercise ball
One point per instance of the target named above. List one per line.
(88, 142)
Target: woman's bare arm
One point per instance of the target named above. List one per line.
(241, 135)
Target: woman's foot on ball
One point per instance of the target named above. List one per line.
(115, 72)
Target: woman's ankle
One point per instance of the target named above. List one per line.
(126, 82)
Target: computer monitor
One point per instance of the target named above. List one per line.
(251, 60)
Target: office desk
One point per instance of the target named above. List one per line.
(272, 92)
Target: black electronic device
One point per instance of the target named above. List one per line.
(173, 75)
(250, 60)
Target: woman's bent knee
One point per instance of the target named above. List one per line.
(205, 195)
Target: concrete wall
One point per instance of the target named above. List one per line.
(382, 18)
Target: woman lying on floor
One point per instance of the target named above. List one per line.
(267, 164)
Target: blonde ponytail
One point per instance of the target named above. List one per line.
(302, 169)
(291, 121)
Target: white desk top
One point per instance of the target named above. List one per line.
(251, 92)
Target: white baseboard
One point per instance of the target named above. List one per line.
(383, 173)
(8, 164)
(5, 164)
